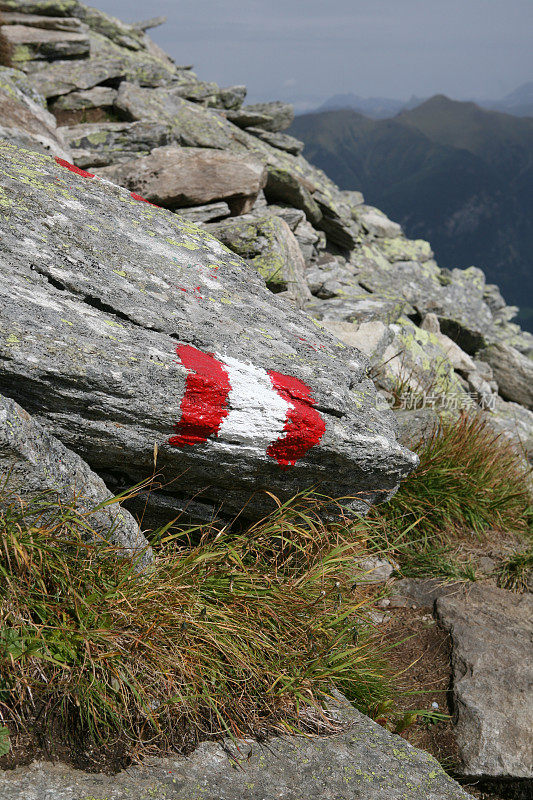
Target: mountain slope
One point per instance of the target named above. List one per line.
(450, 172)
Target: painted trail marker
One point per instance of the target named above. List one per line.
(245, 405)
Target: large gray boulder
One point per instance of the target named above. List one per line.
(513, 373)
(175, 177)
(491, 632)
(362, 761)
(123, 326)
(35, 465)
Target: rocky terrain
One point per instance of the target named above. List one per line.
(181, 288)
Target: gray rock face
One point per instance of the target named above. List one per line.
(61, 77)
(269, 245)
(24, 121)
(515, 423)
(111, 309)
(175, 177)
(100, 144)
(513, 373)
(416, 426)
(232, 97)
(206, 213)
(282, 141)
(492, 633)
(361, 761)
(244, 118)
(36, 21)
(97, 97)
(190, 125)
(278, 116)
(376, 222)
(283, 186)
(33, 462)
(45, 45)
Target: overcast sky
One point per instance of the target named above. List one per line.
(311, 49)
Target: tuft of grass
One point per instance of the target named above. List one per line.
(470, 479)
(4, 741)
(516, 572)
(233, 635)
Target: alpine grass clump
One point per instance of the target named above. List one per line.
(516, 572)
(234, 635)
(469, 479)
(471, 482)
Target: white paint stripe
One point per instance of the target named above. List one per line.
(256, 411)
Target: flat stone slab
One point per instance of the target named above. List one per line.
(362, 762)
(492, 635)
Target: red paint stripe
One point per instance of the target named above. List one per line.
(203, 406)
(304, 427)
(73, 168)
(142, 199)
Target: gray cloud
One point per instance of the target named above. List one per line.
(311, 48)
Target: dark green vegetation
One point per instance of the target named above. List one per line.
(450, 172)
(5, 49)
(231, 632)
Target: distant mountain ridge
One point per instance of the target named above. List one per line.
(450, 172)
(519, 103)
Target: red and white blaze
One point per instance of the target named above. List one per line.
(243, 405)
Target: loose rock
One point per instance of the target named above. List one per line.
(176, 177)
(35, 465)
(491, 631)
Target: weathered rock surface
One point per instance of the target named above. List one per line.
(372, 338)
(277, 116)
(416, 426)
(269, 245)
(363, 760)
(376, 222)
(175, 177)
(61, 77)
(97, 97)
(282, 141)
(24, 121)
(42, 44)
(207, 213)
(513, 373)
(100, 144)
(190, 125)
(286, 187)
(33, 463)
(36, 21)
(459, 360)
(515, 423)
(110, 311)
(492, 632)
